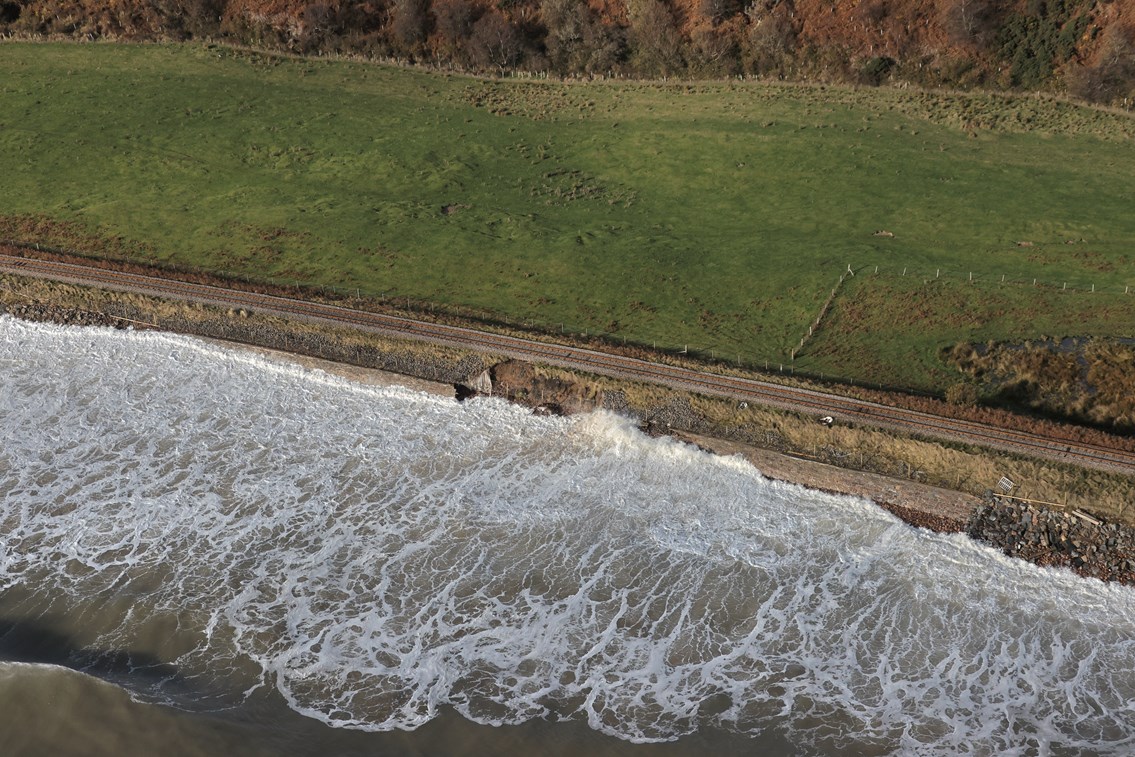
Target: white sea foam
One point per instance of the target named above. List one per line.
(375, 554)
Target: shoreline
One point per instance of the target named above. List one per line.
(919, 505)
(1092, 549)
(1047, 538)
(355, 373)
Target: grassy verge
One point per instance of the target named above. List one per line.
(713, 216)
(856, 338)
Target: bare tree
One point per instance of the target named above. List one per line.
(494, 42)
(453, 26)
(453, 21)
(1111, 78)
(871, 13)
(576, 40)
(717, 11)
(715, 51)
(318, 24)
(968, 22)
(203, 17)
(409, 25)
(656, 47)
(771, 36)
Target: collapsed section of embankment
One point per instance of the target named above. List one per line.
(1042, 535)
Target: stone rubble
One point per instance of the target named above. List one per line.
(63, 315)
(1053, 537)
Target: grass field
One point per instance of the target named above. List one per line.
(717, 216)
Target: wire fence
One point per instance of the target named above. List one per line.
(1045, 282)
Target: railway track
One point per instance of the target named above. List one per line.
(807, 401)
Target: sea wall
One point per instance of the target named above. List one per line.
(1048, 536)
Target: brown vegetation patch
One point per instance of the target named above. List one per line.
(537, 102)
(521, 382)
(1083, 380)
(40, 231)
(1085, 47)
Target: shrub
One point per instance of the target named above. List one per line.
(1112, 76)
(1036, 41)
(876, 69)
(962, 394)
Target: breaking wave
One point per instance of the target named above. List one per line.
(241, 524)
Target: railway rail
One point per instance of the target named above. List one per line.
(844, 409)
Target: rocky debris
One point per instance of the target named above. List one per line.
(923, 519)
(63, 315)
(1053, 537)
(519, 382)
(615, 400)
(674, 416)
(481, 383)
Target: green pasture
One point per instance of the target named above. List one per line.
(713, 215)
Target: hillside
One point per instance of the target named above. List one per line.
(1083, 47)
